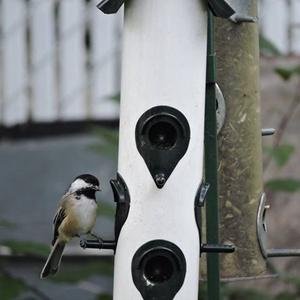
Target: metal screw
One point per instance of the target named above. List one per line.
(267, 131)
(160, 180)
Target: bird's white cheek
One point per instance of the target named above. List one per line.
(77, 185)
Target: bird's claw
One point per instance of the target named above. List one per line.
(83, 243)
(97, 238)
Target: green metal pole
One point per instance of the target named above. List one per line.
(211, 164)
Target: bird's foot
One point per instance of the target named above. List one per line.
(99, 239)
(83, 243)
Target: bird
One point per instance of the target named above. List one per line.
(76, 216)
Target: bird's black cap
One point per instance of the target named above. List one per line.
(89, 179)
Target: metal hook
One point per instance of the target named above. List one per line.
(220, 8)
(267, 131)
(262, 234)
(110, 6)
(242, 12)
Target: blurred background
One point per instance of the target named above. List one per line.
(59, 105)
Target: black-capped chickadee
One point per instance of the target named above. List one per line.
(76, 216)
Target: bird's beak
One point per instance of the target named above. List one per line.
(97, 188)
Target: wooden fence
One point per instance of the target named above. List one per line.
(60, 59)
(279, 21)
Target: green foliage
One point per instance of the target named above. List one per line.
(108, 134)
(245, 294)
(27, 248)
(102, 268)
(267, 47)
(6, 224)
(285, 296)
(236, 293)
(116, 97)
(281, 154)
(294, 281)
(106, 210)
(287, 73)
(202, 294)
(108, 141)
(104, 297)
(289, 185)
(10, 288)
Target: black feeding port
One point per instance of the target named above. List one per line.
(162, 138)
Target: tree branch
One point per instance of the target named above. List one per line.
(292, 108)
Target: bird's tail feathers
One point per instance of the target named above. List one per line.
(53, 261)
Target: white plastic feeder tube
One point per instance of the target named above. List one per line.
(164, 63)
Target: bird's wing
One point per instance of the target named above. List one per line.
(58, 218)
